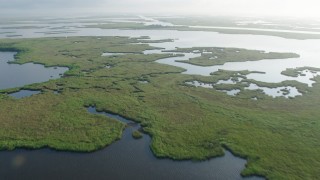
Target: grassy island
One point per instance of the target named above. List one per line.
(137, 135)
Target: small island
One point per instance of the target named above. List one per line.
(137, 134)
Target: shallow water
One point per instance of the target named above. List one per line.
(23, 93)
(14, 75)
(200, 84)
(113, 54)
(232, 92)
(287, 91)
(308, 49)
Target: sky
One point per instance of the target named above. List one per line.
(286, 8)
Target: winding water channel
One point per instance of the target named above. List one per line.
(126, 158)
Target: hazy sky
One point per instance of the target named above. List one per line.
(297, 8)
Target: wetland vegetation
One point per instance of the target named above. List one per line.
(136, 134)
(211, 56)
(279, 139)
(295, 72)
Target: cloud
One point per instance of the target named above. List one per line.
(19, 4)
(212, 7)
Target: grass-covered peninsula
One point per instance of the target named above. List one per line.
(183, 24)
(279, 137)
(210, 56)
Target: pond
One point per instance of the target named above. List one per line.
(24, 93)
(15, 75)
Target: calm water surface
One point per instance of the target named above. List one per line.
(23, 93)
(14, 75)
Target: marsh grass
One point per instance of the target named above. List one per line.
(279, 137)
(211, 56)
(137, 135)
(295, 72)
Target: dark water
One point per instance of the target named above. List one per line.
(24, 93)
(125, 159)
(13, 75)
